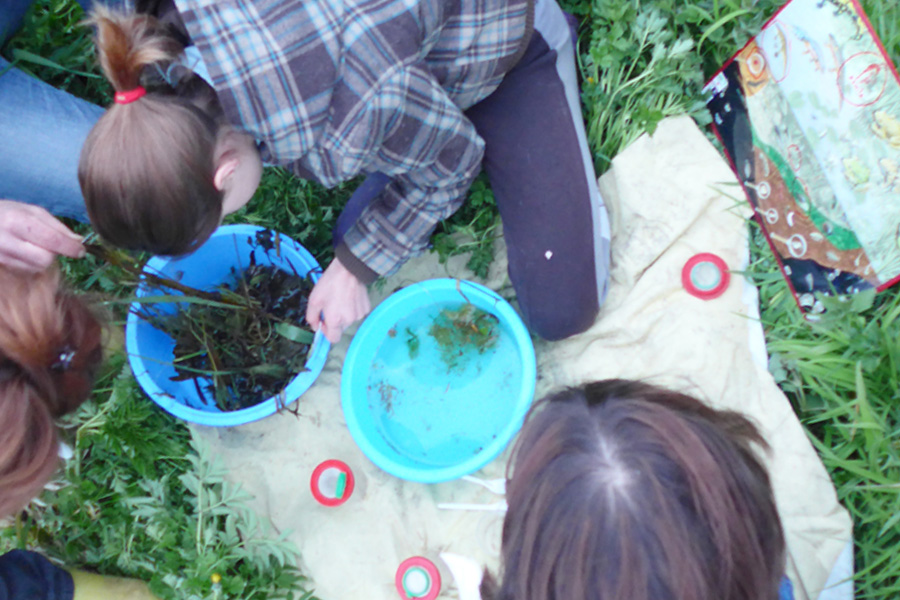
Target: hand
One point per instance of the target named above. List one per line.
(337, 301)
(30, 237)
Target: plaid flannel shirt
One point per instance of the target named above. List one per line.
(336, 88)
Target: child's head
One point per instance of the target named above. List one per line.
(622, 490)
(50, 348)
(155, 171)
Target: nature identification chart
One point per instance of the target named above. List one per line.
(809, 114)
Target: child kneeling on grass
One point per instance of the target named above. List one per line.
(416, 95)
(50, 348)
(623, 490)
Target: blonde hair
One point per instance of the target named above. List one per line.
(50, 348)
(147, 167)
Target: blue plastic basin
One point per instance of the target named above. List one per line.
(411, 413)
(150, 351)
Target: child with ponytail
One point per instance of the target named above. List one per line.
(147, 170)
(417, 96)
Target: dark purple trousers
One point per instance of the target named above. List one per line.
(536, 156)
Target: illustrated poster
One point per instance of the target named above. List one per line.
(809, 114)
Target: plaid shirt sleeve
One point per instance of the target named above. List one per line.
(336, 88)
(407, 128)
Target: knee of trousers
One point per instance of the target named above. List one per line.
(559, 314)
(553, 325)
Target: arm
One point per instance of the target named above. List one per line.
(411, 131)
(30, 237)
(337, 301)
(432, 153)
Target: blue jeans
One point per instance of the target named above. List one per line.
(42, 130)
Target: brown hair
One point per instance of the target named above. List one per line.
(147, 167)
(50, 347)
(623, 490)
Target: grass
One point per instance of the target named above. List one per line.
(641, 61)
(841, 374)
(645, 61)
(141, 498)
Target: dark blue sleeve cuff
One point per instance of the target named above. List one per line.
(29, 576)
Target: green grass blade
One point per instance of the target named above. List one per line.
(24, 56)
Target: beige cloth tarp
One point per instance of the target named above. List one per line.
(670, 196)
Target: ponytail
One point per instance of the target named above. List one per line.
(147, 166)
(50, 348)
(126, 44)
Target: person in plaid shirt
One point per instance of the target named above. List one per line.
(417, 95)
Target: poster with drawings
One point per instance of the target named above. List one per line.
(809, 115)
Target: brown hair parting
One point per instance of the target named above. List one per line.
(623, 490)
(50, 348)
(147, 167)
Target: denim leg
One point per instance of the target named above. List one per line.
(42, 130)
(118, 4)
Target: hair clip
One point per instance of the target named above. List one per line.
(64, 360)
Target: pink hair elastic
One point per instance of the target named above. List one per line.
(129, 96)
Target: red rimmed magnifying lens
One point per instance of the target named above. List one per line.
(332, 483)
(418, 578)
(705, 276)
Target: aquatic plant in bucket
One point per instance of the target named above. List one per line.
(229, 251)
(438, 380)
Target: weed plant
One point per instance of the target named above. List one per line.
(645, 61)
(243, 352)
(140, 497)
(641, 60)
(462, 331)
(841, 374)
(53, 46)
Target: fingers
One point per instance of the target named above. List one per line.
(332, 332)
(52, 222)
(334, 317)
(332, 324)
(20, 265)
(24, 256)
(337, 301)
(317, 318)
(314, 310)
(43, 230)
(30, 237)
(340, 320)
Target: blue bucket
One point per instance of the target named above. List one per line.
(418, 416)
(150, 351)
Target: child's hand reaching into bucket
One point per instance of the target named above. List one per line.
(337, 301)
(30, 237)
